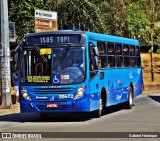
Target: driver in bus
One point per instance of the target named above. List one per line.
(78, 62)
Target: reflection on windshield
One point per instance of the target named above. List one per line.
(42, 56)
(63, 65)
(63, 55)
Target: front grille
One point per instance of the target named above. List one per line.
(53, 90)
(56, 100)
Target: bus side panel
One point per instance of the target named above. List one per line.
(115, 87)
(117, 81)
(139, 85)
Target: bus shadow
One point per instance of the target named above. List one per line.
(18, 117)
(33, 117)
(155, 98)
(113, 109)
(71, 117)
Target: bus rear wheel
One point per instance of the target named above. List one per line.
(129, 103)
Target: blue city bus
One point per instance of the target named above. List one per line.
(72, 71)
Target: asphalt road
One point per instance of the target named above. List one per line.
(143, 117)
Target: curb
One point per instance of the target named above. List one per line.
(156, 92)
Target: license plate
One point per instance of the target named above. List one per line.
(52, 105)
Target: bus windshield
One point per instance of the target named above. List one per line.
(53, 65)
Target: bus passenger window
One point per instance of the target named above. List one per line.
(102, 54)
(138, 59)
(102, 61)
(132, 56)
(93, 60)
(111, 55)
(93, 55)
(119, 58)
(126, 56)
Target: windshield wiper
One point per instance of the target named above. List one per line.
(64, 53)
(38, 50)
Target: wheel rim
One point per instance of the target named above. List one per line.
(130, 99)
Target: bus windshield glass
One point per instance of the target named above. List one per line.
(53, 65)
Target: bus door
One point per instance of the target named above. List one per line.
(94, 77)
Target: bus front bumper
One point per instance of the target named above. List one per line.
(79, 105)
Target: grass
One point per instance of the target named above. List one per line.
(146, 65)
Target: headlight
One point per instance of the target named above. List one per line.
(25, 94)
(80, 92)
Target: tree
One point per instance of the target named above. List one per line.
(22, 13)
(127, 18)
(157, 36)
(157, 19)
(80, 14)
(113, 15)
(138, 24)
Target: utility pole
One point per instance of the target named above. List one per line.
(152, 42)
(0, 59)
(5, 79)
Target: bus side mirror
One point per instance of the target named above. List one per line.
(96, 62)
(96, 52)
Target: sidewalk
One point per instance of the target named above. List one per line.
(16, 109)
(10, 110)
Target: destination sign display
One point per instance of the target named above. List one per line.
(52, 39)
(38, 79)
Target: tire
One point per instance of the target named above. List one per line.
(129, 103)
(98, 113)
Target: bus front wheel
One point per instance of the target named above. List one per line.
(98, 113)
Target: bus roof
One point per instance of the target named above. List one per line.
(110, 38)
(92, 36)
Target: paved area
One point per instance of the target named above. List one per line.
(15, 107)
(10, 110)
(142, 118)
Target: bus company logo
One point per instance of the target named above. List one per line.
(119, 96)
(41, 97)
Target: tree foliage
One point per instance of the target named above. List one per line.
(127, 18)
(80, 14)
(138, 24)
(22, 13)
